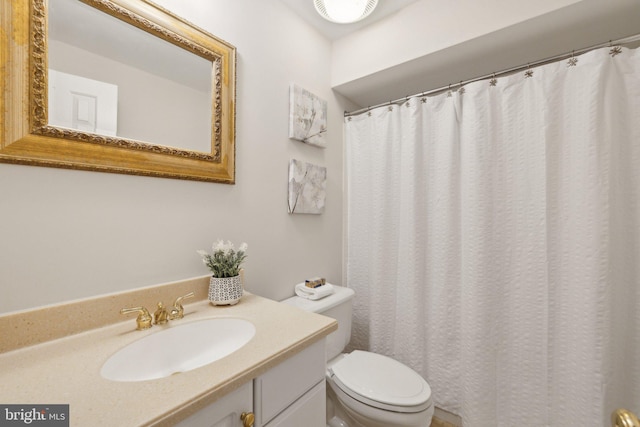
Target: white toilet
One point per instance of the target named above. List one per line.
(366, 389)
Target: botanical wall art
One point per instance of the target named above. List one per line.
(307, 187)
(307, 116)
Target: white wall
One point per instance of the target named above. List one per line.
(432, 43)
(68, 234)
(428, 26)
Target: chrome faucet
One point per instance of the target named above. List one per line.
(177, 312)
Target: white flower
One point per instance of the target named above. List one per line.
(243, 247)
(204, 255)
(218, 246)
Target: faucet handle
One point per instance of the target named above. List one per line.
(178, 310)
(144, 317)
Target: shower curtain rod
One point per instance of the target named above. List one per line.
(549, 60)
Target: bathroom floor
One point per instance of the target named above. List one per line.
(435, 422)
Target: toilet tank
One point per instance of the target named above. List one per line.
(337, 306)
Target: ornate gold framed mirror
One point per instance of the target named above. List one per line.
(83, 114)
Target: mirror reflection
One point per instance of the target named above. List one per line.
(110, 78)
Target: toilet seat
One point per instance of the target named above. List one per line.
(381, 382)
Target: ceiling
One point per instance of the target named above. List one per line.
(306, 10)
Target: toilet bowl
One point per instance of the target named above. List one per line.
(377, 391)
(366, 389)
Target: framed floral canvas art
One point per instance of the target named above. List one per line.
(307, 187)
(307, 116)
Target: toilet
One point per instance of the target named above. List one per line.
(366, 389)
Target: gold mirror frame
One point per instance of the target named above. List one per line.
(26, 138)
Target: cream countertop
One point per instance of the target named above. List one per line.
(67, 370)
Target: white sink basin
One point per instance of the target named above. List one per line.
(178, 348)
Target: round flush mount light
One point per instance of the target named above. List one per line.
(344, 11)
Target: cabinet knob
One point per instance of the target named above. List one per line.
(247, 419)
(623, 418)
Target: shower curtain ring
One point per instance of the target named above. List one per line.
(528, 73)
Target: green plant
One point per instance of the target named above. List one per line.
(225, 261)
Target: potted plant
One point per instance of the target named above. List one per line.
(225, 285)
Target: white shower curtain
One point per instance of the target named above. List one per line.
(493, 241)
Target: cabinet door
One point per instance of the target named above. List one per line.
(279, 387)
(224, 412)
(308, 411)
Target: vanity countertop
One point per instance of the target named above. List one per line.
(67, 370)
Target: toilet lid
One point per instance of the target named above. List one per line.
(367, 377)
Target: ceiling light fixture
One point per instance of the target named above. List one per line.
(344, 11)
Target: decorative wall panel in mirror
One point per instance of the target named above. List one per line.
(115, 86)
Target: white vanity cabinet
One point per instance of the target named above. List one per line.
(292, 394)
(224, 412)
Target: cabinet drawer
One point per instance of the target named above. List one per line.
(281, 386)
(224, 412)
(308, 411)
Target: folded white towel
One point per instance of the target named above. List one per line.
(314, 293)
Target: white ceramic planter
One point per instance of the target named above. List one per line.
(225, 290)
